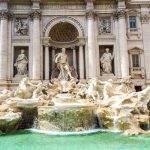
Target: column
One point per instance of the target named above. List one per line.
(117, 51)
(91, 45)
(4, 46)
(10, 52)
(47, 63)
(36, 70)
(123, 44)
(74, 59)
(81, 61)
(53, 59)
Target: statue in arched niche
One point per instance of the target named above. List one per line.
(61, 60)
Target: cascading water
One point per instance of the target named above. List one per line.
(115, 120)
(100, 121)
(35, 123)
(148, 125)
(115, 123)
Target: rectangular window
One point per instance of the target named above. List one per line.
(136, 60)
(133, 22)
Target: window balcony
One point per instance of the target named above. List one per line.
(137, 72)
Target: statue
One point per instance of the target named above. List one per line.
(106, 62)
(25, 89)
(21, 64)
(61, 60)
(94, 90)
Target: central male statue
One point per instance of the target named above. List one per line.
(62, 64)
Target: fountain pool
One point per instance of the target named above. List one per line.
(25, 140)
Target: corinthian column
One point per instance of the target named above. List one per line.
(3, 45)
(123, 43)
(81, 61)
(117, 50)
(36, 70)
(91, 45)
(47, 62)
(74, 58)
(91, 48)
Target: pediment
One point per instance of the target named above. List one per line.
(133, 11)
(136, 50)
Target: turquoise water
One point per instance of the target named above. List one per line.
(25, 140)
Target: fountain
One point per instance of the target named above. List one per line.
(67, 105)
(80, 107)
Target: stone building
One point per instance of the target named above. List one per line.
(32, 32)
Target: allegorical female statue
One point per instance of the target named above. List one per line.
(21, 64)
(62, 64)
(106, 62)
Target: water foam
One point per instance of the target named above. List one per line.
(72, 133)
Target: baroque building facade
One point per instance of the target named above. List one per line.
(103, 38)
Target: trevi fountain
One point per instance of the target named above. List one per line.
(66, 106)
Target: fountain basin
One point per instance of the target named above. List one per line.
(67, 118)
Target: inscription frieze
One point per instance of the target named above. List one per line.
(55, 7)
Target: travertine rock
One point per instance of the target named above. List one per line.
(67, 118)
(9, 121)
(125, 112)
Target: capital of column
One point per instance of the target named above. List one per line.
(81, 41)
(91, 14)
(46, 42)
(115, 15)
(4, 15)
(81, 44)
(35, 14)
(47, 45)
(119, 14)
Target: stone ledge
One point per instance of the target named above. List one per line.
(107, 37)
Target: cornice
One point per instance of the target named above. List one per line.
(4, 0)
(130, 2)
(139, 2)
